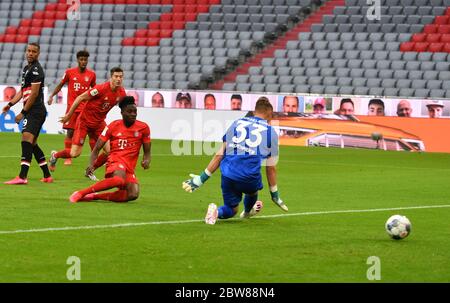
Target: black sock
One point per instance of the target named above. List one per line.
(40, 158)
(25, 161)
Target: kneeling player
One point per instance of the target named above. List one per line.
(246, 144)
(126, 137)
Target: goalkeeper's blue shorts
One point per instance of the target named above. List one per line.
(232, 190)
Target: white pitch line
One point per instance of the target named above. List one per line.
(133, 224)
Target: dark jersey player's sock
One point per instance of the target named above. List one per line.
(25, 161)
(40, 158)
(108, 183)
(249, 201)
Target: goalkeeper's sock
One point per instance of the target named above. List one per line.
(108, 183)
(101, 159)
(116, 196)
(63, 154)
(225, 212)
(249, 201)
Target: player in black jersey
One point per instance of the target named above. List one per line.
(33, 115)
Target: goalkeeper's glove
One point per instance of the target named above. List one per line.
(276, 198)
(196, 181)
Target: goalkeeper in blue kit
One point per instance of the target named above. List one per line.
(246, 145)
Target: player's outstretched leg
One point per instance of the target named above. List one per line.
(108, 183)
(55, 155)
(68, 147)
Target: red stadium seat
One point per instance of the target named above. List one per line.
(2, 38)
(190, 17)
(444, 29)
(178, 25)
(166, 33)
(141, 33)
(190, 9)
(202, 8)
(419, 37)
(49, 15)
(35, 31)
(152, 42)
(38, 15)
(21, 39)
(25, 22)
(11, 30)
(62, 7)
(128, 41)
(166, 2)
(441, 19)
(430, 28)
(433, 38)
(154, 33)
(9, 38)
(446, 48)
(435, 47)
(166, 25)
(421, 47)
(51, 7)
(445, 38)
(37, 22)
(167, 17)
(140, 42)
(61, 15)
(407, 46)
(213, 2)
(49, 23)
(23, 31)
(178, 2)
(154, 25)
(178, 9)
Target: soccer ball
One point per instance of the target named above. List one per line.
(398, 227)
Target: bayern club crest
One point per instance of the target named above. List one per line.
(86, 78)
(136, 134)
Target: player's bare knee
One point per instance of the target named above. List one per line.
(133, 196)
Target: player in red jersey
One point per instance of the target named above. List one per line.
(126, 137)
(78, 79)
(99, 101)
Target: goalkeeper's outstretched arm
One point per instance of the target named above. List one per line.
(197, 180)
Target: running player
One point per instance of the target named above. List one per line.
(99, 101)
(33, 115)
(78, 79)
(248, 142)
(126, 137)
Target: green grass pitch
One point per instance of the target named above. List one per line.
(303, 247)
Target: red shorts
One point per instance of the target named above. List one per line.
(72, 123)
(82, 130)
(111, 167)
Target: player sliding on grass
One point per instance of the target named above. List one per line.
(246, 144)
(126, 137)
(99, 101)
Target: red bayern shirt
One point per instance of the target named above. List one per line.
(104, 99)
(77, 83)
(126, 142)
